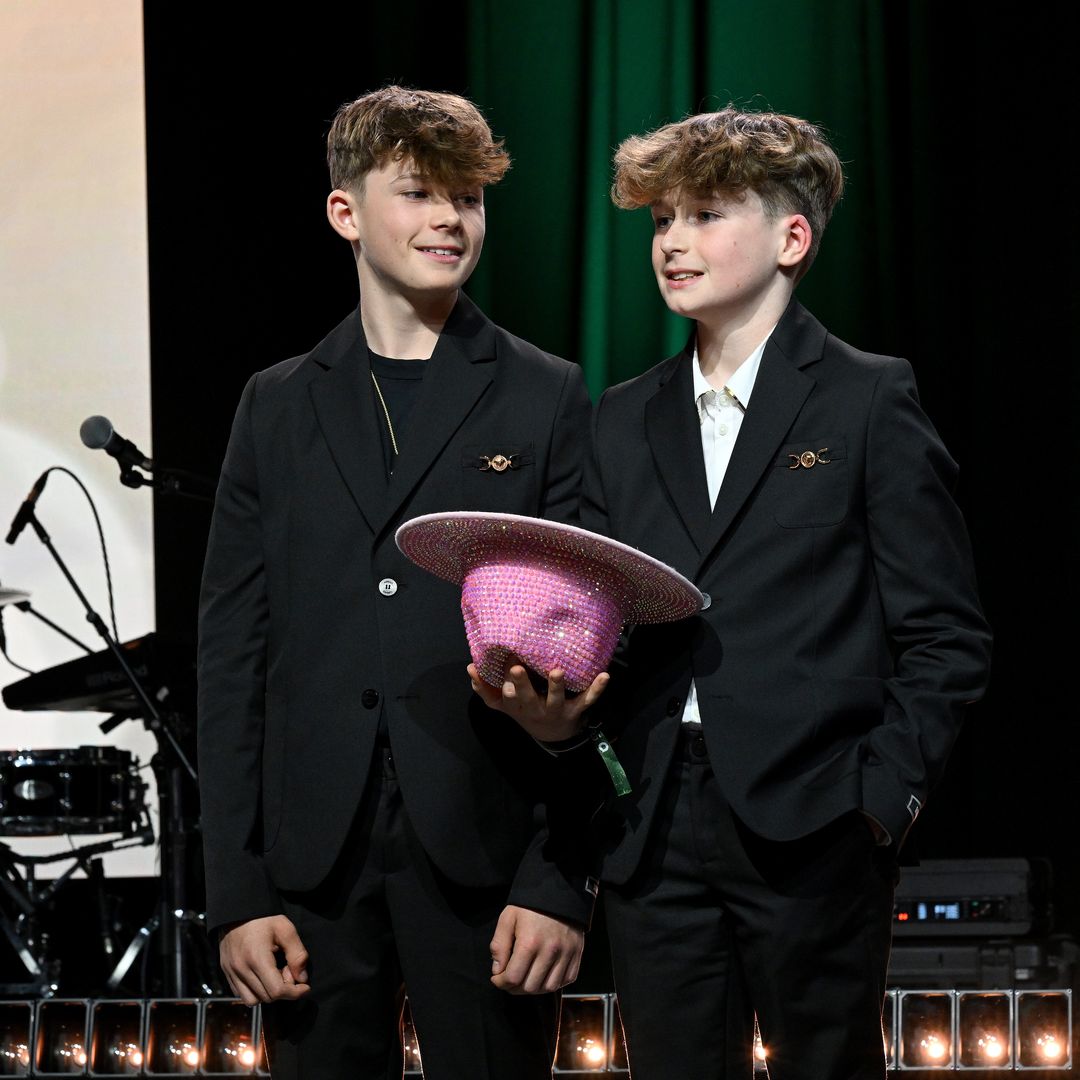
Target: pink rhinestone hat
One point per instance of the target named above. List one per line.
(554, 595)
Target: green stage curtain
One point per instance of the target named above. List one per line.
(564, 82)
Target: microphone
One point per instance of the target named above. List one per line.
(26, 511)
(97, 433)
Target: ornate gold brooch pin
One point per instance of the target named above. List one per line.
(500, 462)
(808, 459)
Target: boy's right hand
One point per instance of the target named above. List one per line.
(550, 716)
(248, 953)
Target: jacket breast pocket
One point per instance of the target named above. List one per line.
(810, 483)
(500, 477)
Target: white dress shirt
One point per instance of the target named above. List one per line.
(721, 415)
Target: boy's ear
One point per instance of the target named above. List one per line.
(341, 209)
(796, 240)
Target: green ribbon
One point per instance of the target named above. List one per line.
(611, 763)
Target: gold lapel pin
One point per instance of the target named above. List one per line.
(500, 462)
(808, 459)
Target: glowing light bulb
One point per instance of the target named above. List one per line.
(1049, 1047)
(247, 1056)
(595, 1055)
(759, 1051)
(991, 1047)
(191, 1056)
(136, 1058)
(933, 1047)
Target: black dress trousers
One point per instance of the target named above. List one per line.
(386, 923)
(719, 924)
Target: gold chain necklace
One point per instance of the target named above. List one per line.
(386, 413)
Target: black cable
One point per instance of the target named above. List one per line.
(3, 647)
(101, 537)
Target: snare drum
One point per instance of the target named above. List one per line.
(85, 790)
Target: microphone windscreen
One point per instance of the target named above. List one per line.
(95, 432)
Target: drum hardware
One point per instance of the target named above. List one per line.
(170, 765)
(76, 792)
(20, 600)
(26, 930)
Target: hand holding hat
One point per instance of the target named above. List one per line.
(547, 714)
(555, 595)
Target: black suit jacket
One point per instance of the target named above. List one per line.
(312, 622)
(844, 636)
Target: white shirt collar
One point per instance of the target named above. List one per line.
(742, 380)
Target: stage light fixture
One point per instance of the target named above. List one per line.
(116, 1039)
(926, 1029)
(984, 1029)
(172, 1039)
(583, 1034)
(60, 1045)
(16, 1019)
(410, 1044)
(888, 1028)
(616, 1042)
(229, 1039)
(1044, 1029)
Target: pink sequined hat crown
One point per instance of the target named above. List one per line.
(553, 595)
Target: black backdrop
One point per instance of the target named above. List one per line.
(979, 290)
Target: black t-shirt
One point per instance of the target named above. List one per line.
(399, 382)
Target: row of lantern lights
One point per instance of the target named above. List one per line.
(923, 1031)
(1003, 1030)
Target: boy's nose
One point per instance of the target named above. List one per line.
(673, 239)
(446, 214)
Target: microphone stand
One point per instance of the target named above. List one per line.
(170, 482)
(24, 605)
(173, 913)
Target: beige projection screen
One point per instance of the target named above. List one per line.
(74, 342)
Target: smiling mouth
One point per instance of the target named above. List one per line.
(682, 275)
(443, 252)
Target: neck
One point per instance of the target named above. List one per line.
(405, 328)
(724, 343)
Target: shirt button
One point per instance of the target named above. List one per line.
(388, 586)
(673, 707)
(706, 601)
(369, 698)
(723, 429)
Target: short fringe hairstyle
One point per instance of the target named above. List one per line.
(787, 161)
(443, 135)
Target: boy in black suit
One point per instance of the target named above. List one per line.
(369, 827)
(781, 743)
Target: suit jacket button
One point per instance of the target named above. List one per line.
(706, 601)
(388, 586)
(369, 699)
(674, 706)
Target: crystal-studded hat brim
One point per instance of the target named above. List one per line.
(451, 543)
(557, 596)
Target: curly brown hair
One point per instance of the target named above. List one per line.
(443, 135)
(788, 162)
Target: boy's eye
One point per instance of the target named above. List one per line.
(416, 193)
(469, 199)
(708, 215)
(662, 221)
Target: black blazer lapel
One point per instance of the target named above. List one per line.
(345, 407)
(779, 392)
(458, 373)
(673, 430)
